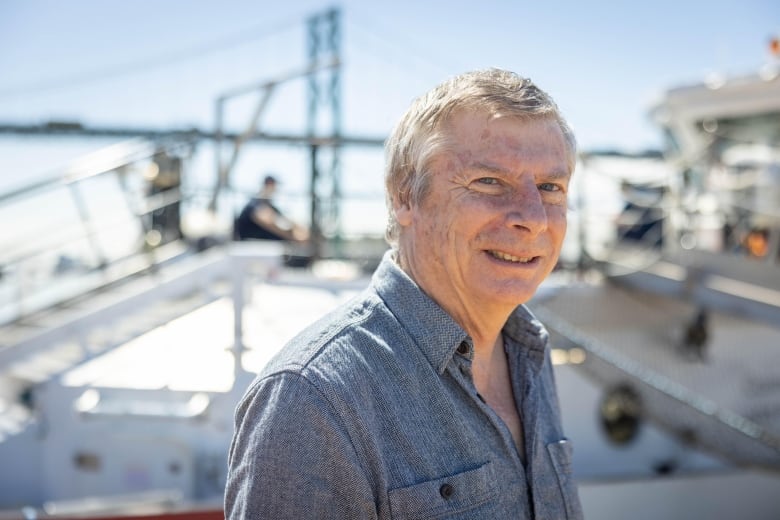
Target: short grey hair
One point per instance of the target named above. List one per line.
(420, 135)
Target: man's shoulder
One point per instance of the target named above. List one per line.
(333, 343)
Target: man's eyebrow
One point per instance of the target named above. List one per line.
(494, 168)
(559, 174)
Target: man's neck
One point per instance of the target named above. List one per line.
(490, 370)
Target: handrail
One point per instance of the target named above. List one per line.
(145, 209)
(675, 211)
(91, 165)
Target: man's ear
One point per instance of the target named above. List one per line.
(403, 213)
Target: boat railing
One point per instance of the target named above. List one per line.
(668, 215)
(108, 215)
(104, 402)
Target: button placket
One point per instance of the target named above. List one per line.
(464, 363)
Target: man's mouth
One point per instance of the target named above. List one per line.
(511, 258)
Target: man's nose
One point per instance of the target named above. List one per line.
(528, 210)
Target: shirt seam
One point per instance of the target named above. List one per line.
(312, 383)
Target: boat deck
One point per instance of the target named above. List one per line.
(731, 383)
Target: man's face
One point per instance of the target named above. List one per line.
(491, 226)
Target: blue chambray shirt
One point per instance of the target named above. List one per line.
(372, 413)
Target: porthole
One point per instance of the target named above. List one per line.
(621, 414)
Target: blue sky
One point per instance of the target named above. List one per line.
(162, 62)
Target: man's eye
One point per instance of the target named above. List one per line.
(487, 180)
(548, 186)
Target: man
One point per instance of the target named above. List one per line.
(261, 219)
(431, 395)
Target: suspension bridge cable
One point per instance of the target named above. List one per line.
(394, 50)
(222, 43)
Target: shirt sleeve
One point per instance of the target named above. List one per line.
(291, 457)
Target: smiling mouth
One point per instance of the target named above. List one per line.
(506, 257)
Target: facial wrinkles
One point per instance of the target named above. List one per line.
(443, 236)
(478, 218)
(497, 144)
(464, 306)
(451, 169)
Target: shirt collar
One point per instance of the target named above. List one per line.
(433, 330)
(526, 332)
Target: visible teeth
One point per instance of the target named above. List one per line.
(510, 258)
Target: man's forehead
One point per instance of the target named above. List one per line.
(471, 133)
(484, 125)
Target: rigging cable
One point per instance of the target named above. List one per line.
(142, 65)
(393, 51)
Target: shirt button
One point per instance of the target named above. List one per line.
(446, 491)
(463, 348)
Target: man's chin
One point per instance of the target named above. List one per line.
(514, 294)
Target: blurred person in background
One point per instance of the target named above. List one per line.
(260, 219)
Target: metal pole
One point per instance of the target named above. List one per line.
(89, 228)
(324, 107)
(314, 231)
(219, 109)
(239, 268)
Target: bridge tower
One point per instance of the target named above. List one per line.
(324, 118)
